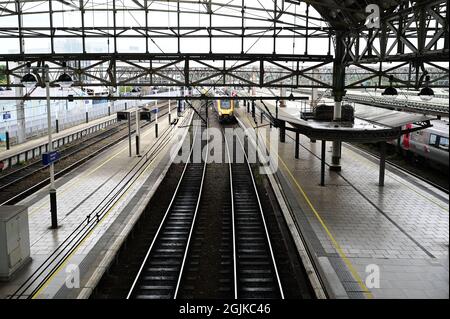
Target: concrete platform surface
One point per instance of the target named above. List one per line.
(382, 242)
(112, 190)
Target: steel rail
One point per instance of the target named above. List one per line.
(144, 262)
(194, 218)
(274, 264)
(81, 231)
(233, 222)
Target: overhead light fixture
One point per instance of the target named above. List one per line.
(427, 93)
(64, 80)
(29, 80)
(390, 91)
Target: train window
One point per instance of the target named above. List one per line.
(433, 139)
(226, 105)
(443, 143)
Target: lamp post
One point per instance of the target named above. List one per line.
(170, 119)
(138, 133)
(64, 81)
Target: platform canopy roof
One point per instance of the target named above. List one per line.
(389, 118)
(237, 43)
(370, 125)
(351, 14)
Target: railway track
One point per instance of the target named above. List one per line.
(256, 269)
(40, 278)
(18, 184)
(160, 273)
(244, 266)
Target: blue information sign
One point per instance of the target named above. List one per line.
(6, 116)
(50, 157)
(155, 110)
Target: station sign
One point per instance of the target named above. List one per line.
(50, 157)
(6, 116)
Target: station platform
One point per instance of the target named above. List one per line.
(98, 204)
(33, 148)
(366, 241)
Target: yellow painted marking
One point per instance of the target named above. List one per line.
(394, 177)
(336, 245)
(47, 282)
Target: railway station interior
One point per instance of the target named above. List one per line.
(259, 150)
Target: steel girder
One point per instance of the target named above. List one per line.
(116, 20)
(411, 43)
(175, 70)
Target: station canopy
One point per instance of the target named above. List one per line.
(205, 43)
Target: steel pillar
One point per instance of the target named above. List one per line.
(21, 121)
(322, 163)
(138, 133)
(52, 190)
(282, 128)
(129, 135)
(253, 109)
(382, 163)
(338, 93)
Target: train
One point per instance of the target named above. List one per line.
(225, 110)
(429, 145)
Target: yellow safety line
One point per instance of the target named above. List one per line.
(330, 235)
(47, 282)
(77, 180)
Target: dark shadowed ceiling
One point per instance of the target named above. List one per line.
(350, 14)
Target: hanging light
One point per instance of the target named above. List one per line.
(29, 80)
(427, 93)
(390, 91)
(64, 80)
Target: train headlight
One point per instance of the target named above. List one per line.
(220, 113)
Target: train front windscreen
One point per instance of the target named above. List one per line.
(225, 105)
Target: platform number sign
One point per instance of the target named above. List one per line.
(50, 157)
